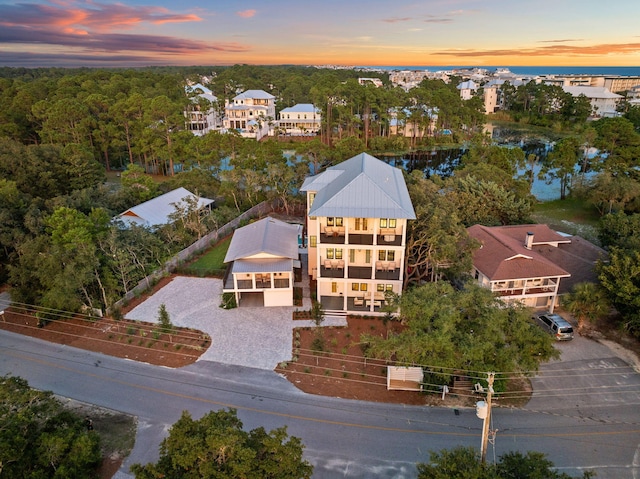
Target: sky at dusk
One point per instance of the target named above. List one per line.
(98, 33)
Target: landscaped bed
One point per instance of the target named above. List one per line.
(139, 341)
(330, 361)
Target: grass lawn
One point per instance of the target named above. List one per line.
(211, 263)
(573, 216)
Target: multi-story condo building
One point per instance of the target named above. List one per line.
(603, 102)
(357, 213)
(249, 113)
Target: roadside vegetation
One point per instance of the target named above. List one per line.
(216, 445)
(40, 437)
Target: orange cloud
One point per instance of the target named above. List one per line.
(246, 13)
(552, 50)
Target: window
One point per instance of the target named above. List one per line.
(388, 222)
(313, 241)
(361, 224)
(352, 256)
(389, 287)
(337, 221)
(330, 221)
(386, 255)
(367, 256)
(355, 286)
(312, 196)
(334, 287)
(363, 286)
(334, 253)
(380, 287)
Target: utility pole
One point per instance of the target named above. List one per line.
(486, 416)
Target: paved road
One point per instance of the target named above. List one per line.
(343, 438)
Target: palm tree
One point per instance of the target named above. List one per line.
(586, 301)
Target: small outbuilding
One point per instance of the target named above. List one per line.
(158, 211)
(404, 378)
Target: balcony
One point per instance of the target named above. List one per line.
(387, 240)
(533, 288)
(387, 270)
(359, 238)
(262, 282)
(332, 268)
(359, 272)
(333, 238)
(332, 235)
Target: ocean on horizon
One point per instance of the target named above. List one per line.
(526, 70)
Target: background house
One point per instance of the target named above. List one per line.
(262, 257)
(357, 213)
(467, 89)
(201, 114)
(249, 113)
(158, 211)
(299, 120)
(513, 263)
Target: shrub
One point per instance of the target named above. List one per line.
(228, 301)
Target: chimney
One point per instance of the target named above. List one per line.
(528, 242)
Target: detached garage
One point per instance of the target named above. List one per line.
(261, 259)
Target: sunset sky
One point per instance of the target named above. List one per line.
(344, 32)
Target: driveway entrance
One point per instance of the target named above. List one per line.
(251, 336)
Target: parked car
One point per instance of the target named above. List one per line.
(555, 325)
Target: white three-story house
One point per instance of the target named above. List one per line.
(357, 213)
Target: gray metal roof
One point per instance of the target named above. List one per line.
(262, 265)
(360, 187)
(301, 108)
(156, 211)
(266, 236)
(254, 94)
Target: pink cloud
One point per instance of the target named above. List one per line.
(246, 13)
(88, 15)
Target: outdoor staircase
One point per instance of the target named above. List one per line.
(463, 387)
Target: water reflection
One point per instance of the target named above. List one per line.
(443, 162)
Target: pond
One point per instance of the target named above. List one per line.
(442, 162)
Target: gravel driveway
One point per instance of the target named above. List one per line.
(257, 337)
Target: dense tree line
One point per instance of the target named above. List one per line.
(40, 438)
(217, 446)
(463, 463)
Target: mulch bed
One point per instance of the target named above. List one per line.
(329, 361)
(136, 340)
